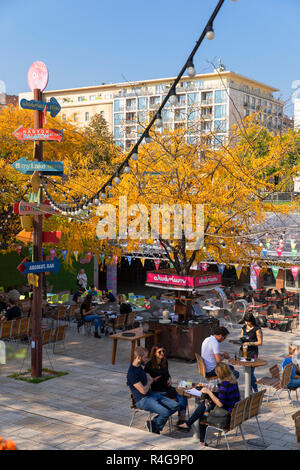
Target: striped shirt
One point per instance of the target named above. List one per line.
(228, 395)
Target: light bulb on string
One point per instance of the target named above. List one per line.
(127, 169)
(173, 99)
(147, 137)
(135, 156)
(117, 180)
(210, 34)
(190, 68)
(158, 120)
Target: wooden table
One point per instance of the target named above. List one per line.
(248, 365)
(138, 335)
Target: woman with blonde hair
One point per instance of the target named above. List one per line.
(290, 358)
(225, 397)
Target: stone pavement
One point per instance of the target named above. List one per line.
(90, 408)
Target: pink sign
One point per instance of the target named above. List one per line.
(37, 76)
(184, 281)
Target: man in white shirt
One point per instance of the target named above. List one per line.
(210, 351)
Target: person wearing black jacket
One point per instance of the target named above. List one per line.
(12, 312)
(158, 367)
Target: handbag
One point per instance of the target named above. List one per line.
(219, 417)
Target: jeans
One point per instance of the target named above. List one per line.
(294, 383)
(211, 373)
(96, 319)
(158, 403)
(198, 414)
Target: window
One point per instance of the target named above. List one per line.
(161, 88)
(220, 126)
(180, 115)
(193, 115)
(142, 116)
(166, 115)
(181, 100)
(119, 105)
(119, 143)
(154, 101)
(220, 111)
(101, 114)
(253, 102)
(118, 118)
(220, 96)
(87, 116)
(142, 103)
(131, 103)
(246, 100)
(81, 98)
(92, 97)
(192, 98)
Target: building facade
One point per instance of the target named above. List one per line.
(208, 105)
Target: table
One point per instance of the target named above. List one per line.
(248, 364)
(211, 308)
(138, 335)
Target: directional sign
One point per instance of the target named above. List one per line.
(32, 208)
(53, 106)
(42, 266)
(37, 134)
(47, 237)
(28, 167)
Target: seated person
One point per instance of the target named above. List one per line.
(140, 385)
(12, 311)
(93, 291)
(210, 351)
(295, 375)
(226, 396)
(3, 303)
(124, 306)
(86, 312)
(108, 296)
(13, 294)
(158, 369)
(78, 294)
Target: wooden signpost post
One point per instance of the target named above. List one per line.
(37, 81)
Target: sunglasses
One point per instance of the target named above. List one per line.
(162, 351)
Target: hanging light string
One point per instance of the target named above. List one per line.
(207, 32)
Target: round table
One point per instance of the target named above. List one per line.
(248, 364)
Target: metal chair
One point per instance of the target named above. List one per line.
(254, 408)
(278, 384)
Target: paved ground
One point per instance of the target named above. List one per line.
(89, 408)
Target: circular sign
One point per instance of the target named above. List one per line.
(37, 76)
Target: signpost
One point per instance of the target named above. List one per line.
(37, 134)
(53, 106)
(32, 208)
(28, 167)
(42, 266)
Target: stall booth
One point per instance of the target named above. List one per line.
(183, 338)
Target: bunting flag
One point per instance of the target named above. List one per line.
(102, 258)
(279, 251)
(257, 270)
(293, 244)
(204, 266)
(30, 251)
(52, 253)
(268, 245)
(295, 270)
(264, 252)
(19, 248)
(76, 253)
(238, 270)
(281, 243)
(275, 270)
(194, 265)
(157, 263)
(221, 268)
(142, 261)
(129, 259)
(89, 256)
(171, 265)
(64, 253)
(294, 253)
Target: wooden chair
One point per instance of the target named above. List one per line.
(14, 328)
(5, 329)
(202, 368)
(253, 408)
(272, 379)
(23, 327)
(117, 323)
(59, 335)
(237, 418)
(279, 384)
(296, 418)
(130, 320)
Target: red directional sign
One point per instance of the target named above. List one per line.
(32, 208)
(24, 135)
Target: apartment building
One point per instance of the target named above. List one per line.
(208, 105)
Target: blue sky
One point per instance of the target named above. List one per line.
(94, 41)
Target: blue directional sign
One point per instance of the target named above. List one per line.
(35, 267)
(53, 106)
(28, 167)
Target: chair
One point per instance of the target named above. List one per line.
(238, 415)
(5, 329)
(117, 323)
(130, 320)
(59, 335)
(64, 299)
(296, 418)
(278, 384)
(254, 408)
(23, 327)
(99, 293)
(202, 368)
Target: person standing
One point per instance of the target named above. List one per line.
(82, 279)
(251, 336)
(140, 383)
